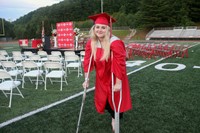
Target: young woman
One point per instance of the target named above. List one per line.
(108, 56)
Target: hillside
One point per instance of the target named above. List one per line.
(137, 14)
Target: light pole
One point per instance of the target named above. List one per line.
(3, 30)
(101, 6)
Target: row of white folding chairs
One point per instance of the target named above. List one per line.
(51, 70)
(70, 62)
(70, 59)
(31, 69)
(42, 54)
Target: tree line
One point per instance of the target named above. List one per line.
(142, 14)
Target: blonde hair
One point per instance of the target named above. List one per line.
(105, 46)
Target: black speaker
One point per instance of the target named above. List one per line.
(47, 44)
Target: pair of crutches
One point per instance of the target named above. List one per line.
(117, 110)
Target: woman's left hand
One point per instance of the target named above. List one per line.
(117, 87)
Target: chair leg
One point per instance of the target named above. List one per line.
(61, 84)
(10, 102)
(45, 83)
(23, 82)
(20, 92)
(30, 80)
(78, 72)
(50, 80)
(66, 81)
(37, 83)
(4, 93)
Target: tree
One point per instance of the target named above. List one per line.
(194, 10)
(7, 28)
(132, 13)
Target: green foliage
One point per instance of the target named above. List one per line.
(194, 10)
(144, 14)
(8, 28)
(121, 33)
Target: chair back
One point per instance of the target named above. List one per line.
(53, 65)
(56, 53)
(54, 58)
(68, 53)
(73, 58)
(35, 58)
(28, 54)
(82, 53)
(2, 58)
(4, 75)
(8, 64)
(18, 58)
(16, 53)
(3, 52)
(42, 53)
(29, 64)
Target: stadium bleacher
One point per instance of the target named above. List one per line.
(177, 33)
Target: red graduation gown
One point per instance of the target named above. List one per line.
(103, 85)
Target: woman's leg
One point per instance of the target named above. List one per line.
(112, 112)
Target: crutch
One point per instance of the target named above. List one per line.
(84, 96)
(117, 110)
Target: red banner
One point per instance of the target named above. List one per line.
(23, 42)
(65, 35)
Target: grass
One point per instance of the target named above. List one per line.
(121, 33)
(163, 102)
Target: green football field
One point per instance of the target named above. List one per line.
(163, 102)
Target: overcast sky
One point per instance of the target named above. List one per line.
(14, 9)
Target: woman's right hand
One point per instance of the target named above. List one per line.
(85, 84)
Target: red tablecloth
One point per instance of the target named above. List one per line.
(35, 42)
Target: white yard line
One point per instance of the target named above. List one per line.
(69, 98)
(8, 48)
(42, 109)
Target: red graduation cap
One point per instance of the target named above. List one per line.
(103, 18)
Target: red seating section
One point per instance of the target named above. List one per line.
(151, 50)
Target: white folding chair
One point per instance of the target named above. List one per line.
(68, 53)
(72, 63)
(16, 53)
(31, 70)
(5, 53)
(37, 60)
(82, 55)
(54, 58)
(56, 53)
(18, 61)
(43, 55)
(27, 54)
(3, 58)
(12, 69)
(8, 84)
(54, 70)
